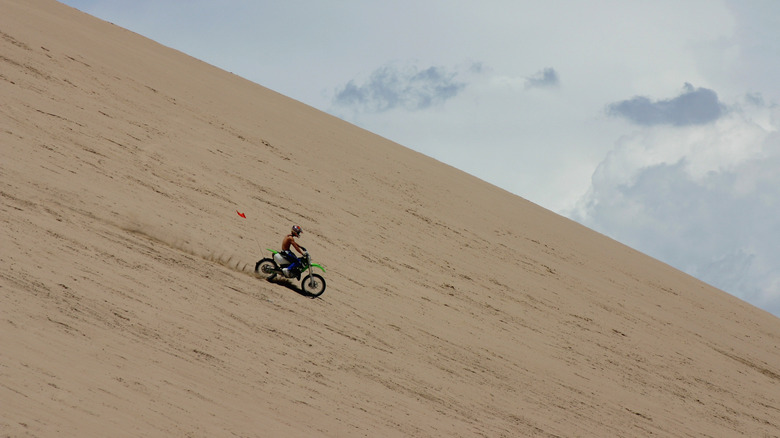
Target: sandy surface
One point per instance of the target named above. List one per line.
(128, 305)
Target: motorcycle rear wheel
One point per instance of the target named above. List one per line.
(266, 268)
(313, 284)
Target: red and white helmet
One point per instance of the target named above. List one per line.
(296, 230)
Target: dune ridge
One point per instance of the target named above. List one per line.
(453, 308)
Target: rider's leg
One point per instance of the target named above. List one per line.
(289, 269)
(290, 257)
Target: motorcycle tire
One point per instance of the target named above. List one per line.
(313, 285)
(266, 268)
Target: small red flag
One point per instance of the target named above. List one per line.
(241, 214)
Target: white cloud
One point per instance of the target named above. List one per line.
(705, 199)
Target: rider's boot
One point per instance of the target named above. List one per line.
(291, 270)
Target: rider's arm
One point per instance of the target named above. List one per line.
(297, 248)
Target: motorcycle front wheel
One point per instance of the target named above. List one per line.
(313, 285)
(265, 268)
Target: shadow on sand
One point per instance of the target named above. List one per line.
(289, 285)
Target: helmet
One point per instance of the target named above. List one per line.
(297, 230)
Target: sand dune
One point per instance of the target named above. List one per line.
(454, 308)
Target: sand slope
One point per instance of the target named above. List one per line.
(128, 306)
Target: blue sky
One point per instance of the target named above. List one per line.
(655, 123)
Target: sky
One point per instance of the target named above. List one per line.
(652, 122)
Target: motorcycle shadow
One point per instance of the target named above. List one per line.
(289, 285)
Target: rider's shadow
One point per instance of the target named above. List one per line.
(289, 285)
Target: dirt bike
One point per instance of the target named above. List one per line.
(313, 284)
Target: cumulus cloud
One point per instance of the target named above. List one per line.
(705, 199)
(695, 106)
(390, 87)
(544, 79)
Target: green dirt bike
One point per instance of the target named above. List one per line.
(312, 284)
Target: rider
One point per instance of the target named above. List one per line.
(289, 255)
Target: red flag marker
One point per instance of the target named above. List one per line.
(241, 214)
